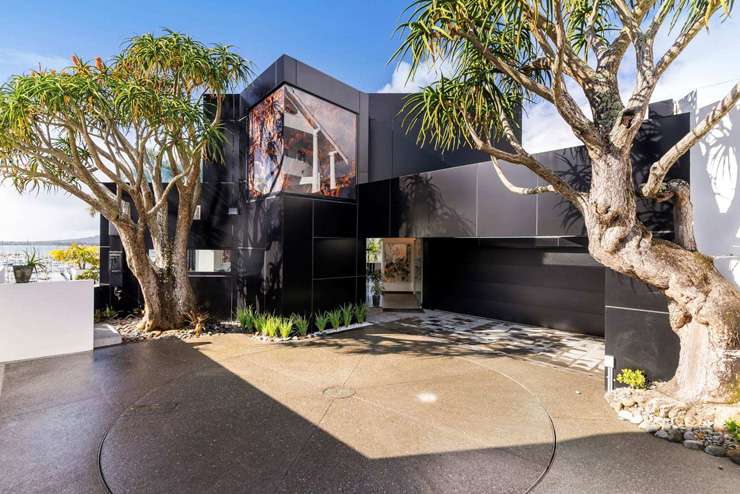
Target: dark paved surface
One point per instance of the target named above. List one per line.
(227, 414)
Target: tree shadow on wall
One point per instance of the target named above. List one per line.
(425, 211)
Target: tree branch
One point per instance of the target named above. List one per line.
(660, 168)
(516, 189)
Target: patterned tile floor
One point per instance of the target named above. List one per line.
(549, 346)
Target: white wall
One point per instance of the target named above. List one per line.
(42, 319)
(715, 185)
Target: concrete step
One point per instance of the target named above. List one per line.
(106, 335)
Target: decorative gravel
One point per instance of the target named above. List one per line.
(130, 333)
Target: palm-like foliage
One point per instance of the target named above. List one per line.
(144, 122)
(505, 54)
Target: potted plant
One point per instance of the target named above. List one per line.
(376, 285)
(23, 272)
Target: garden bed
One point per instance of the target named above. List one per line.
(711, 428)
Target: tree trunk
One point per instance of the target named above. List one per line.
(704, 307)
(168, 295)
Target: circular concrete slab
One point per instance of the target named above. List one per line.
(351, 414)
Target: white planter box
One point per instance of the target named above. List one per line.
(45, 318)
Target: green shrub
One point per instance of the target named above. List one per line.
(634, 378)
(246, 318)
(335, 318)
(272, 325)
(301, 324)
(347, 310)
(361, 313)
(321, 319)
(733, 429)
(260, 320)
(285, 326)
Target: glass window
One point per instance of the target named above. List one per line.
(300, 143)
(209, 261)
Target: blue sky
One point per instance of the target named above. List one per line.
(351, 40)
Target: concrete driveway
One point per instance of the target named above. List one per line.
(386, 409)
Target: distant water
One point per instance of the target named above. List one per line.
(42, 250)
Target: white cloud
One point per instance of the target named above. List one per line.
(426, 74)
(19, 62)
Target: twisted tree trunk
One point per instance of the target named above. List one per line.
(165, 286)
(704, 307)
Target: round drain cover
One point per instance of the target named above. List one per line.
(338, 392)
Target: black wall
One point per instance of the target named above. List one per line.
(299, 254)
(638, 333)
(516, 280)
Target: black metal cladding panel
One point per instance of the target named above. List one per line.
(214, 295)
(104, 235)
(325, 86)
(331, 293)
(334, 219)
(623, 291)
(642, 340)
(260, 222)
(297, 255)
(289, 70)
(215, 229)
(380, 152)
(104, 264)
(501, 212)
(436, 204)
(334, 257)
(557, 216)
(373, 200)
(249, 277)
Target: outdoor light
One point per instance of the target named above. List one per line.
(609, 365)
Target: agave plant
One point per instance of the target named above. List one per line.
(246, 317)
(347, 310)
(285, 326)
(335, 318)
(321, 319)
(301, 324)
(361, 313)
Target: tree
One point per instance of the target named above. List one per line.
(509, 54)
(144, 123)
(85, 258)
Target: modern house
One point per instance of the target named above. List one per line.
(313, 168)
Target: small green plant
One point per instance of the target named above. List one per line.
(246, 316)
(347, 310)
(260, 320)
(321, 319)
(301, 324)
(271, 325)
(285, 326)
(733, 429)
(198, 320)
(335, 318)
(361, 313)
(634, 378)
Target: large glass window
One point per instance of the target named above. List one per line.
(300, 143)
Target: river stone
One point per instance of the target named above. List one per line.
(691, 444)
(625, 415)
(689, 436)
(715, 450)
(649, 426)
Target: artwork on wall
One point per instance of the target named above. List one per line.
(302, 144)
(397, 262)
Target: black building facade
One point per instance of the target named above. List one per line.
(313, 167)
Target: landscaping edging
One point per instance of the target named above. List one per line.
(698, 427)
(311, 336)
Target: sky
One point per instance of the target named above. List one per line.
(351, 40)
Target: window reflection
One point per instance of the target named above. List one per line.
(300, 143)
(209, 261)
